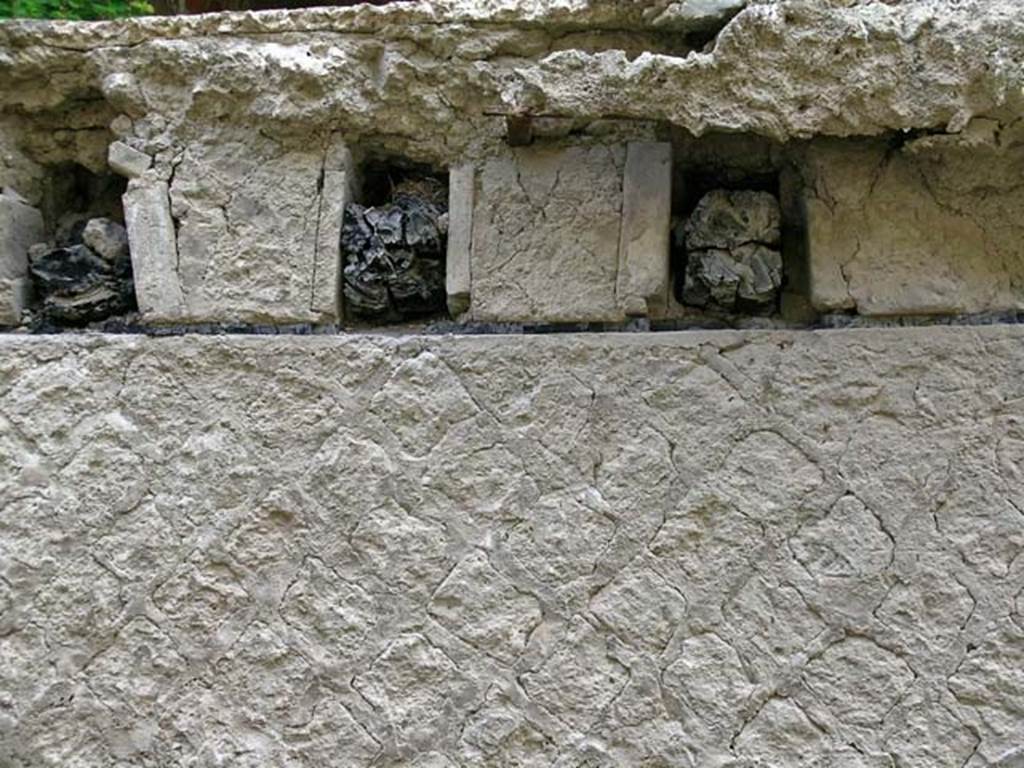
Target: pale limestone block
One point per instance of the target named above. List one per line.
(127, 161)
(339, 187)
(151, 236)
(458, 273)
(929, 229)
(545, 244)
(21, 226)
(643, 280)
(246, 210)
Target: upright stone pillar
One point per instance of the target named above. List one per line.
(643, 278)
(151, 237)
(338, 190)
(461, 194)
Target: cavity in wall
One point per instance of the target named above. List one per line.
(394, 238)
(66, 262)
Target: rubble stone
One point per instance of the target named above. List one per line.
(107, 239)
(89, 280)
(70, 227)
(732, 257)
(727, 219)
(394, 254)
(128, 161)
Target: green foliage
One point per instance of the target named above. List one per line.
(73, 9)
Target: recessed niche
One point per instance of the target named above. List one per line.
(82, 272)
(74, 193)
(394, 242)
(735, 230)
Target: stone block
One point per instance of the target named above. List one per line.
(247, 209)
(545, 244)
(337, 191)
(151, 236)
(127, 161)
(930, 229)
(461, 194)
(336, 194)
(643, 279)
(21, 226)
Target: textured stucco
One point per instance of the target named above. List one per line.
(701, 549)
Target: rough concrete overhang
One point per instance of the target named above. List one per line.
(435, 72)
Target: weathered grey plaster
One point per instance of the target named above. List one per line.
(706, 549)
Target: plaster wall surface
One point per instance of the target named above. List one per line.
(705, 549)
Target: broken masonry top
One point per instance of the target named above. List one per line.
(432, 71)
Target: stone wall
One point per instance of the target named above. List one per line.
(889, 131)
(733, 549)
(707, 549)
